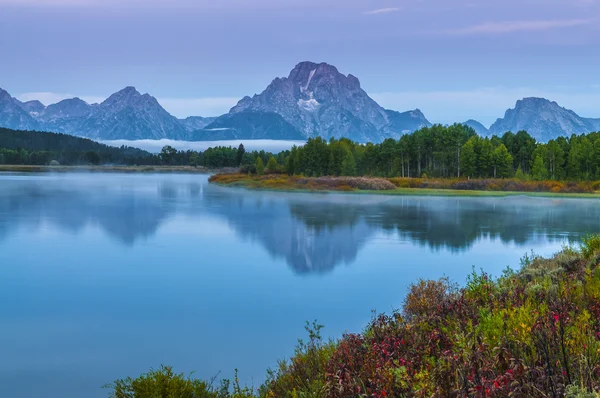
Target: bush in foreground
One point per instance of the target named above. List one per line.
(531, 333)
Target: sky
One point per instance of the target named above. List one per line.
(453, 59)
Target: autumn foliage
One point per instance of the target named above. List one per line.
(503, 185)
(533, 333)
(282, 181)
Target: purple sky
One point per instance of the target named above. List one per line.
(453, 59)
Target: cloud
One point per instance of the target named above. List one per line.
(382, 11)
(251, 145)
(491, 28)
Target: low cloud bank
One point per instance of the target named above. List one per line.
(155, 146)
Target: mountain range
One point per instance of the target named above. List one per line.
(314, 100)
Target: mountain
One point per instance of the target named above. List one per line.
(34, 108)
(66, 116)
(544, 120)
(315, 100)
(194, 123)
(12, 114)
(126, 114)
(406, 122)
(254, 125)
(129, 115)
(478, 127)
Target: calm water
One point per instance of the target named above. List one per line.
(107, 275)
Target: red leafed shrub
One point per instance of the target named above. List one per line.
(535, 333)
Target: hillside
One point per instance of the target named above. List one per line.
(34, 147)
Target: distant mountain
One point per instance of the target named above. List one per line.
(478, 127)
(126, 114)
(66, 116)
(129, 115)
(34, 108)
(254, 125)
(406, 122)
(12, 114)
(315, 100)
(544, 120)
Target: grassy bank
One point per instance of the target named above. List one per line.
(409, 186)
(534, 332)
(105, 169)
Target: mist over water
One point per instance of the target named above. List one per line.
(107, 275)
(155, 146)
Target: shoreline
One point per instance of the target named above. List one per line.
(107, 169)
(541, 314)
(277, 183)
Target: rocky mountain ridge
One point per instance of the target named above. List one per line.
(315, 99)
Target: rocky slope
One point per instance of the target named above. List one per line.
(13, 115)
(194, 123)
(126, 114)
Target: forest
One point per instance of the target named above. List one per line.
(438, 152)
(40, 148)
(451, 152)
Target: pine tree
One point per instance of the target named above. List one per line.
(240, 154)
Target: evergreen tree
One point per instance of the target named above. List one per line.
(240, 154)
(194, 160)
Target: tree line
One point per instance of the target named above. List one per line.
(450, 152)
(40, 148)
(439, 151)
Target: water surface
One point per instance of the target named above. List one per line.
(106, 275)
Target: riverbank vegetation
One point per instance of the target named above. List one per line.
(437, 152)
(444, 152)
(534, 332)
(401, 185)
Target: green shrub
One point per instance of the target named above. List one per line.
(164, 383)
(590, 246)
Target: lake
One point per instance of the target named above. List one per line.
(107, 275)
